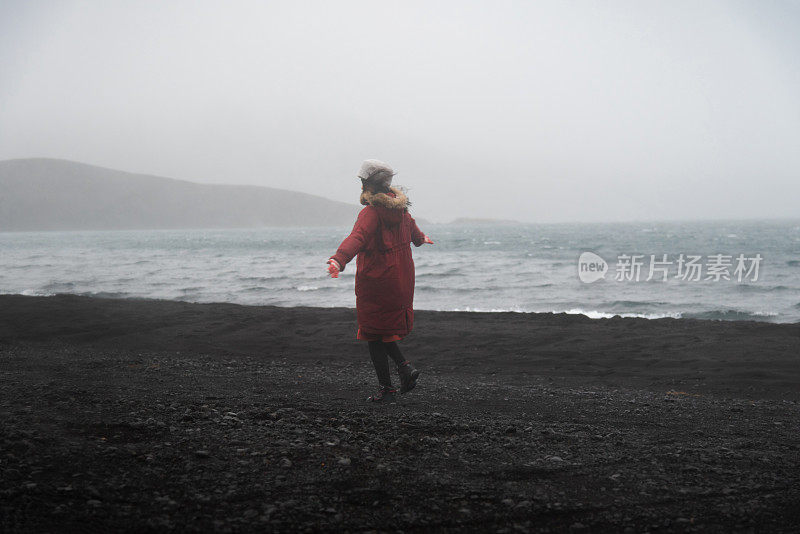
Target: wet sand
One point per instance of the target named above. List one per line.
(143, 414)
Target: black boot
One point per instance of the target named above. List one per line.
(408, 376)
(385, 394)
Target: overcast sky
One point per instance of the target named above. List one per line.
(533, 111)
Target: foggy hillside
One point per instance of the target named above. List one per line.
(51, 194)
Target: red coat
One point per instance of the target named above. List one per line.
(381, 238)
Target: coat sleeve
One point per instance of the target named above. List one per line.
(365, 227)
(417, 236)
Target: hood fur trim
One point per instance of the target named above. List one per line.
(400, 202)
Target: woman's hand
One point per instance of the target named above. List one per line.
(428, 240)
(333, 268)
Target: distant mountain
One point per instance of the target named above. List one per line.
(51, 194)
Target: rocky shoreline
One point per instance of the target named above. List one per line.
(101, 430)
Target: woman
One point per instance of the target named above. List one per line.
(384, 274)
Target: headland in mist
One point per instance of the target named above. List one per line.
(53, 194)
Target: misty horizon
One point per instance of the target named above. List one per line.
(543, 113)
(57, 175)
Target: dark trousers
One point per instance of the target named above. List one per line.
(380, 353)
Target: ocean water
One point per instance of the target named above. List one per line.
(520, 268)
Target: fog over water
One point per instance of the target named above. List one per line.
(540, 112)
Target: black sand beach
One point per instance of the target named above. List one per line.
(137, 415)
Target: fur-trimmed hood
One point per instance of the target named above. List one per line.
(398, 202)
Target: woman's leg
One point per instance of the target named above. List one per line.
(394, 352)
(408, 374)
(377, 351)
